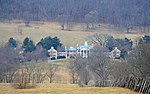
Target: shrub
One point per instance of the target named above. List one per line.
(23, 86)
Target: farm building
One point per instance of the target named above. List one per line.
(80, 50)
(115, 54)
(72, 52)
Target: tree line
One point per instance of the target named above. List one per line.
(28, 50)
(29, 46)
(126, 14)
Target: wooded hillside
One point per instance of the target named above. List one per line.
(120, 13)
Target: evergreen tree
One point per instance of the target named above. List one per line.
(28, 45)
(48, 42)
(12, 42)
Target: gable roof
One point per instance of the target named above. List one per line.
(116, 50)
(52, 50)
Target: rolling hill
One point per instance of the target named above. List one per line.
(37, 31)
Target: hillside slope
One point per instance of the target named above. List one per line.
(69, 38)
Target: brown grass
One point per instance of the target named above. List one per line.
(64, 89)
(70, 38)
(47, 88)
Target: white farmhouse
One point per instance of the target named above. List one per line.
(115, 54)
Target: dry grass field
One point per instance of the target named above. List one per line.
(69, 38)
(64, 89)
(57, 88)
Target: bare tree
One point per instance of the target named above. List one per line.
(40, 73)
(99, 39)
(139, 59)
(99, 63)
(39, 53)
(62, 20)
(24, 76)
(120, 69)
(21, 78)
(27, 16)
(8, 63)
(65, 20)
(51, 71)
(90, 19)
(96, 66)
(29, 74)
(73, 71)
(78, 69)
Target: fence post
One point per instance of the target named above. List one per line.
(141, 86)
(144, 86)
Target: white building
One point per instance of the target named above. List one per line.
(52, 53)
(115, 54)
(82, 50)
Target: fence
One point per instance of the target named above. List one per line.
(137, 84)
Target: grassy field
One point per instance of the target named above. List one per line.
(57, 88)
(68, 38)
(64, 89)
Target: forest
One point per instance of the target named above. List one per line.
(126, 14)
